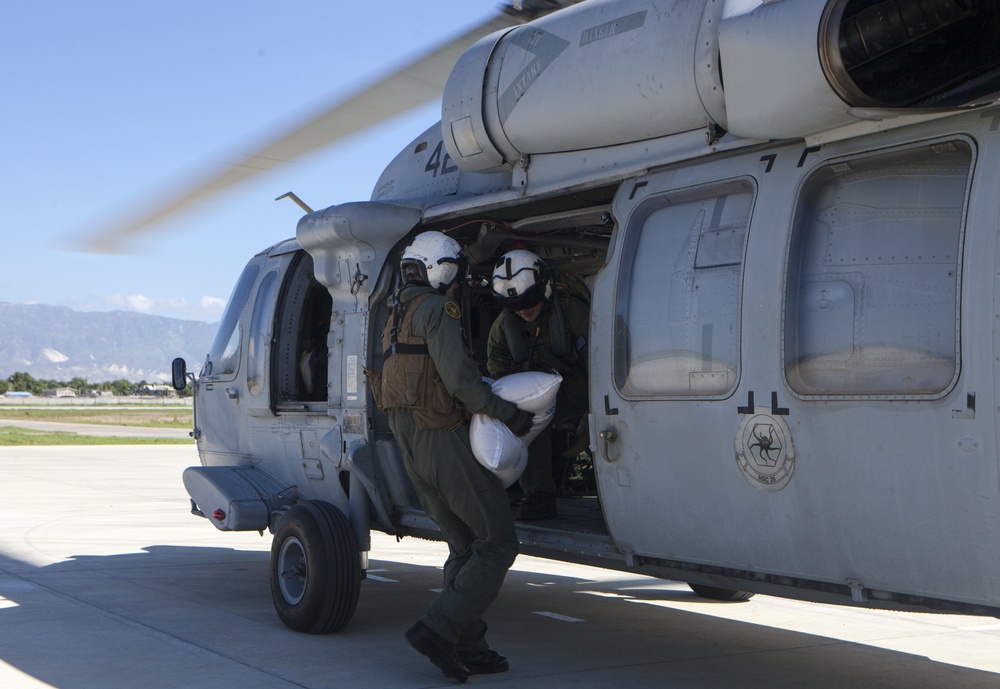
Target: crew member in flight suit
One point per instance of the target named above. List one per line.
(540, 329)
(429, 386)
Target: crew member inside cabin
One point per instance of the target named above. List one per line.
(543, 327)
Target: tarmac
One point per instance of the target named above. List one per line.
(107, 580)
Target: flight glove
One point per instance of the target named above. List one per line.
(520, 423)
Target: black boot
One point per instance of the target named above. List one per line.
(438, 651)
(484, 662)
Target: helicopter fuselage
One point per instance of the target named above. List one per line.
(793, 331)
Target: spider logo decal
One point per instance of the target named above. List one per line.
(766, 443)
(764, 451)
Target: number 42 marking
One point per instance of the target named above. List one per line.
(437, 163)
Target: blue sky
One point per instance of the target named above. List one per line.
(107, 104)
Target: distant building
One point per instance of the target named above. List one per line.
(156, 391)
(59, 392)
(17, 393)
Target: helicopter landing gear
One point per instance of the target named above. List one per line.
(726, 595)
(315, 568)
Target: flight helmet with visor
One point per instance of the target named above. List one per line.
(521, 280)
(437, 258)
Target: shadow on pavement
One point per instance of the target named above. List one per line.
(174, 616)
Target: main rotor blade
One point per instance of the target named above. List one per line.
(415, 84)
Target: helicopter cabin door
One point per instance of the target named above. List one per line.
(666, 355)
(785, 372)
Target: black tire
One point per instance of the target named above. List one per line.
(315, 569)
(727, 595)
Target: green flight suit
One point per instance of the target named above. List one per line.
(468, 503)
(572, 401)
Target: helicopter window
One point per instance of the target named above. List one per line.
(224, 356)
(299, 357)
(679, 320)
(872, 302)
(260, 332)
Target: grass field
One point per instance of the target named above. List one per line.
(150, 417)
(12, 436)
(147, 417)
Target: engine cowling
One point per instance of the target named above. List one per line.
(609, 72)
(595, 74)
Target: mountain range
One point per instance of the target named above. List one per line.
(58, 343)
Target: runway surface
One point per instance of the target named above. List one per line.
(107, 580)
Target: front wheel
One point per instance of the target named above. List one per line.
(727, 595)
(315, 568)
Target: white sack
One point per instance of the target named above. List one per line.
(497, 448)
(493, 444)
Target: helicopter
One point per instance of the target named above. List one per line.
(783, 215)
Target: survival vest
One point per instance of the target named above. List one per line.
(409, 377)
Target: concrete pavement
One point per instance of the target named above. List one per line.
(106, 580)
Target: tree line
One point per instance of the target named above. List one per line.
(25, 382)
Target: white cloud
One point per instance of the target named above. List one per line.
(140, 303)
(144, 304)
(212, 305)
(54, 355)
(173, 302)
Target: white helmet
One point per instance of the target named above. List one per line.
(438, 257)
(520, 280)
